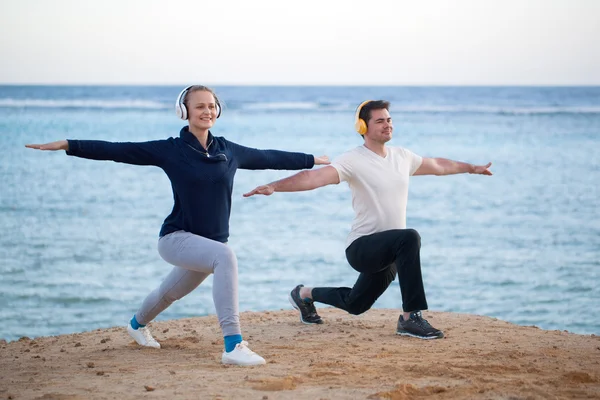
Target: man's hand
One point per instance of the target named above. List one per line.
(267, 190)
(482, 169)
(322, 160)
(60, 145)
(307, 179)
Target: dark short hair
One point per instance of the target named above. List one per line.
(365, 111)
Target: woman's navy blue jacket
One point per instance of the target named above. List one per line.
(202, 179)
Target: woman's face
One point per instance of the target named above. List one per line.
(202, 110)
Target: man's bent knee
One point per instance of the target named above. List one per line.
(412, 236)
(357, 309)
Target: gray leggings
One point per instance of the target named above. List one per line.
(194, 258)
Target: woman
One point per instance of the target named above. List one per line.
(193, 238)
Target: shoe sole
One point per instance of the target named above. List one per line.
(419, 337)
(243, 364)
(293, 303)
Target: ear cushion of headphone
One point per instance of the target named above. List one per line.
(183, 111)
(180, 108)
(360, 126)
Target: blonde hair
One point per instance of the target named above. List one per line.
(200, 88)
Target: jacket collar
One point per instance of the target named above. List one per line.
(190, 139)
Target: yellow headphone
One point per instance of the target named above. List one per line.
(359, 124)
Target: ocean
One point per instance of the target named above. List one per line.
(78, 243)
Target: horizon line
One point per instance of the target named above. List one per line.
(304, 85)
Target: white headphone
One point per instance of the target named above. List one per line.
(181, 110)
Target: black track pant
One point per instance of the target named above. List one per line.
(378, 257)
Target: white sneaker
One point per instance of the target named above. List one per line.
(143, 337)
(242, 355)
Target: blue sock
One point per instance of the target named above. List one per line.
(231, 341)
(136, 325)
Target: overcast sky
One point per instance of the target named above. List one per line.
(320, 42)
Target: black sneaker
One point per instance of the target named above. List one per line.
(308, 312)
(417, 326)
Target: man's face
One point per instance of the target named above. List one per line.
(379, 128)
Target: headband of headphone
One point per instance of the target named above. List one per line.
(360, 124)
(181, 109)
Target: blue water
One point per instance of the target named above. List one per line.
(78, 242)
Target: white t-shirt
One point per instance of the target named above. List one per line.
(379, 187)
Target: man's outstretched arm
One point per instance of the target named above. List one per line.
(443, 166)
(304, 180)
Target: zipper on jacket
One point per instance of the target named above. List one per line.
(208, 155)
(205, 153)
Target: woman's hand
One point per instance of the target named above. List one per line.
(322, 160)
(53, 146)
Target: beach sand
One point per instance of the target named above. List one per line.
(348, 357)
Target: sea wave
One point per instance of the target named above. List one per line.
(82, 103)
(291, 106)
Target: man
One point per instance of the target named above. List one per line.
(379, 245)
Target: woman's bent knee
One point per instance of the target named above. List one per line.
(225, 257)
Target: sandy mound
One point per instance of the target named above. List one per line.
(348, 357)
